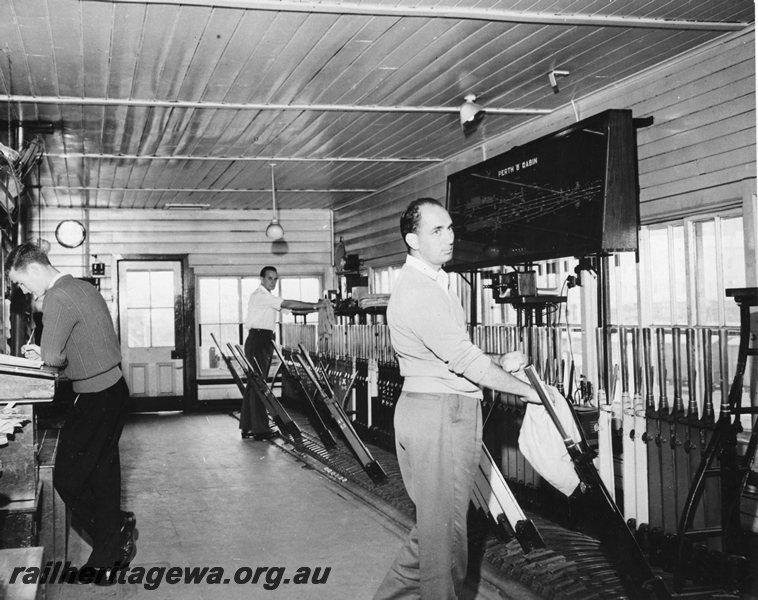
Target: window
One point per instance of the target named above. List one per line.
(687, 266)
(222, 309)
(222, 302)
(623, 289)
(150, 308)
(307, 289)
(382, 280)
(720, 256)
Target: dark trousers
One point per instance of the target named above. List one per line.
(87, 472)
(438, 438)
(259, 349)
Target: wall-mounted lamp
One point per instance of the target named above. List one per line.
(274, 231)
(471, 114)
(553, 78)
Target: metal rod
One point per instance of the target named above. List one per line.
(663, 405)
(452, 12)
(691, 372)
(132, 157)
(648, 367)
(676, 345)
(86, 188)
(707, 376)
(258, 106)
(724, 363)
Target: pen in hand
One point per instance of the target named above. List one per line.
(30, 350)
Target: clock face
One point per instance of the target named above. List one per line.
(70, 233)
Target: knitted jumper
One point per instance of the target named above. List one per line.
(78, 335)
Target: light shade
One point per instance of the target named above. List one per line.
(274, 231)
(471, 114)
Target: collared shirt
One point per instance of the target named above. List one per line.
(261, 309)
(428, 332)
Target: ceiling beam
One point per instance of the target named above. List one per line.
(87, 188)
(369, 108)
(468, 13)
(369, 159)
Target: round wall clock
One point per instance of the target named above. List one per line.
(70, 233)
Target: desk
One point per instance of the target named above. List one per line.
(20, 488)
(11, 558)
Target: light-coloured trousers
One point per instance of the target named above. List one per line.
(438, 439)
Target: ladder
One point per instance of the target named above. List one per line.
(733, 469)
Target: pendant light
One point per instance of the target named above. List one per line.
(274, 231)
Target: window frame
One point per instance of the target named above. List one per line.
(689, 227)
(207, 373)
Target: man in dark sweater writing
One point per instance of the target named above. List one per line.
(78, 337)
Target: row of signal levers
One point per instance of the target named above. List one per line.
(655, 416)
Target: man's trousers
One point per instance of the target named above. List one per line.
(259, 348)
(87, 471)
(438, 439)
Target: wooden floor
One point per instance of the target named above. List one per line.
(205, 498)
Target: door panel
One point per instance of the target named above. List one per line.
(150, 305)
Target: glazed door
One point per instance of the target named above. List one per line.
(150, 324)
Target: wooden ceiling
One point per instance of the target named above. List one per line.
(140, 103)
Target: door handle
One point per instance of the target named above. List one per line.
(175, 354)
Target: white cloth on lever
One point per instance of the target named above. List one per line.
(326, 321)
(542, 445)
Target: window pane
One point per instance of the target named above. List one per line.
(230, 333)
(733, 255)
(249, 285)
(679, 279)
(229, 300)
(310, 289)
(659, 276)
(307, 289)
(138, 289)
(162, 288)
(209, 354)
(384, 279)
(706, 300)
(162, 328)
(623, 285)
(208, 290)
(138, 334)
(290, 288)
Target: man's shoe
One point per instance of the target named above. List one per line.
(106, 577)
(128, 551)
(246, 435)
(128, 535)
(128, 523)
(266, 435)
(88, 574)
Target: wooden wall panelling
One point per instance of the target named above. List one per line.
(222, 242)
(693, 159)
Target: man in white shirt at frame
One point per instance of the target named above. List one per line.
(262, 309)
